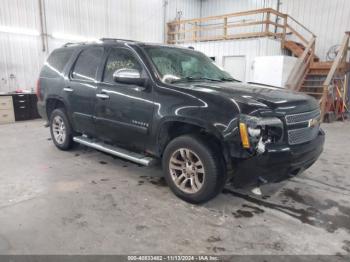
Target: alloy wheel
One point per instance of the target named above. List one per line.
(187, 170)
(59, 129)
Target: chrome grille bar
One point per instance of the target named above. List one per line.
(304, 134)
(302, 117)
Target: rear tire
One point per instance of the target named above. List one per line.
(61, 130)
(193, 169)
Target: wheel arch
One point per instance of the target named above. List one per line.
(172, 128)
(53, 103)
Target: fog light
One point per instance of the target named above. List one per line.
(244, 135)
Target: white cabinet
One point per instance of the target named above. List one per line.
(6, 110)
(236, 66)
(273, 70)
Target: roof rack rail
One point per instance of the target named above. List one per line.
(73, 43)
(116, 39)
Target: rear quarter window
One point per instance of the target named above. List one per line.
(56, 62)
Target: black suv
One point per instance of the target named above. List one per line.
(144, 102)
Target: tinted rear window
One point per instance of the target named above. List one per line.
(54, 65)
(86, 66)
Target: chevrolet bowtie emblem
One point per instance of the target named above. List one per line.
(313, 122)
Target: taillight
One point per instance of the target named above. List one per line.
(38, 91)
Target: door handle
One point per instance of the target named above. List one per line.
(102, 96)
(68, 89)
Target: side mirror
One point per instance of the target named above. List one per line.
(128, 76)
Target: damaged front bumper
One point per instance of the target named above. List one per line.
(277, 163)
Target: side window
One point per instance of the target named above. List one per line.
(118, 59)
(86, 66)
(55, 63)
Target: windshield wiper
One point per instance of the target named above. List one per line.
(229, 79)
(193, 79)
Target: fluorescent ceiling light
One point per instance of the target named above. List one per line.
(18, 30)
(75, 38)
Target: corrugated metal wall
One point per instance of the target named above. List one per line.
(186, 8)
(21, 56)
(219, 7)
(327, 19)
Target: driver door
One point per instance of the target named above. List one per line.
(123, 112)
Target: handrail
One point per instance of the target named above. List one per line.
(204, 19)
(300, 68)
(300, 24)
(341, 56)
(188, 30)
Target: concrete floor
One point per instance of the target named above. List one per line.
(87, 202)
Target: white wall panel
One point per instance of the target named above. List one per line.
(188, 9)
(20, 55)
(19, 13)
(250, 48)
(220, 7)
(130, 19)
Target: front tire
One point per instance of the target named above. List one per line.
(194, 170)
(61, 130)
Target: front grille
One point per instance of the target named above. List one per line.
(299, 129)
(302, 117)
(302, 135)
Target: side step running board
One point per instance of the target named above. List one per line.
(116, 151)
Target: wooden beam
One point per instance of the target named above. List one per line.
(285, 24)
(225, 27)
(217, 17)
(221, 37)
(300, 67)
(275, 24)
(221, 26)
(267, 29)
(297, 34)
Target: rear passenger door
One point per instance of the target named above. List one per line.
(81, 89)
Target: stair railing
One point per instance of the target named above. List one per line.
(240, 25)
(338, 63)
(301, 67)
(247, 24)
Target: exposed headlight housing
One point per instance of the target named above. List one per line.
(257, 131)
(254, 132)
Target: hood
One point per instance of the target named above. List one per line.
(277, 99)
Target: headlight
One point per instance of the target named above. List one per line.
(257, 131)
(254, 132)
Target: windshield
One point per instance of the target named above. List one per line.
(179, 64)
